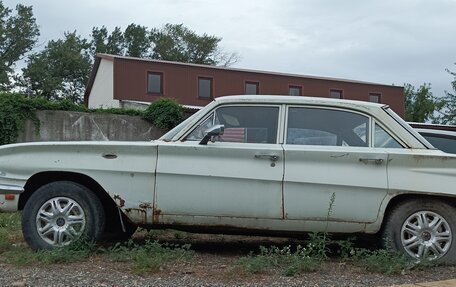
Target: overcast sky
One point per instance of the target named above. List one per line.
(387, 41)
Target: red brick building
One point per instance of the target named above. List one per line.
(116, 81)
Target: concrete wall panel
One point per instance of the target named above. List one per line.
(77, 126)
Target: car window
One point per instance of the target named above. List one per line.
(244, 124)
(199, 131)
(314, 126)
(383, 139)
(442, 142)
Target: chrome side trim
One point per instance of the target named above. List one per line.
(11, 189)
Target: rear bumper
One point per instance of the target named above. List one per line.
(9, 197)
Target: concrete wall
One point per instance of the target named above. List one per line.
(75, 126)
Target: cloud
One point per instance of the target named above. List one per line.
(380, 41)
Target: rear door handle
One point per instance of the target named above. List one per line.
(272, 157)
(367, 160)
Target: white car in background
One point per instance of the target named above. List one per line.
(442, 137)
(245, 164)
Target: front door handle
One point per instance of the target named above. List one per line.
(375, 160)
(272, 157)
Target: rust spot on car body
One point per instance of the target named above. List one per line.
(433, 157)
(119, 201)
(157, 213)
(138, 215)
(145, 205)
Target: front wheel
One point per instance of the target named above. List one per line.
(423, 229)
(60, 212)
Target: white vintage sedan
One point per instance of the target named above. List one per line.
(245, 164)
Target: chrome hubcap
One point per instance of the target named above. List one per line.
(426, 235)
(60, 220)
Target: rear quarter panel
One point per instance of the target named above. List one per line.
(422, 172)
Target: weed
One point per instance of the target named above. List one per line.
(284, 258)
(346, 248)
(384, 261)
(78, 250)
(255, 264)
(150, 257)
(318, 245)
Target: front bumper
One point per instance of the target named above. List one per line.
(9, 197)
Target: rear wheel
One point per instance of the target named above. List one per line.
(60, 212)
(423, 229)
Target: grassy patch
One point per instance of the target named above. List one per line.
(10, 230)
(151, 256)
(75, 252)
(19, 256)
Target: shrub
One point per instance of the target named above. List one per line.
(164, 113)
(14, 110)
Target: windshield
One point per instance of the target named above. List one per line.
(169, 135)
(411, 130)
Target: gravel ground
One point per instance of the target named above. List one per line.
(206, 272)
(214, 264)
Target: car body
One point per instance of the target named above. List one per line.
(442, 137)
(252, 164)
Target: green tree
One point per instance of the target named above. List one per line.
(171, 42)
(104, 43)
(18, 35)
(420, 104)
(137, 41)
(60, 71)
(178, 43)
(448, 112)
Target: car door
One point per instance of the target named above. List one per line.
(239, 175)
(331, 173)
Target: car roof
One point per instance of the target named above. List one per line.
(285, 99)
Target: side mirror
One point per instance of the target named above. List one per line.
(216, 130)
